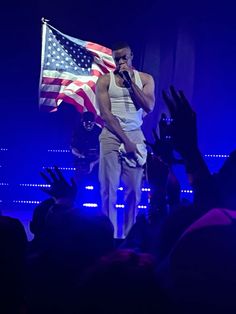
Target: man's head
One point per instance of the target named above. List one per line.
(122, 55)
(88, 120)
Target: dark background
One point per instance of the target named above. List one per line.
(189, 44)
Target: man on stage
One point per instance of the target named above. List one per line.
(124, 97)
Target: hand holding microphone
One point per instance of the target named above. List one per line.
(126, 77)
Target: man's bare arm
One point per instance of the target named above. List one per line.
(144, 98)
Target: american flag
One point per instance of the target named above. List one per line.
(70, 68)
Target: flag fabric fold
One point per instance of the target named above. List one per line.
(70, 68)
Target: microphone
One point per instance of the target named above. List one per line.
(126, 77)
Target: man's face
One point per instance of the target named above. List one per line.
(123, 58)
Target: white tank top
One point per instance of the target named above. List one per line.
(122, 106)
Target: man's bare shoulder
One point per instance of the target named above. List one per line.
(145, 76)
(104, 79)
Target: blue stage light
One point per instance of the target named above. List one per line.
(59, 151)
(60, 168)
(90, 205)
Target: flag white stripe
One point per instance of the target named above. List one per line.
(47, 101)
(57, 84)
(51, 88)
(68, 76)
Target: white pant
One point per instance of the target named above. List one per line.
(112, 169)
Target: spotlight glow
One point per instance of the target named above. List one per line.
(90, 205)
(26, 202)
(89, 187)
(187, 191)
(59, 151)
(35, 185)
(216, 155)
(60, 168)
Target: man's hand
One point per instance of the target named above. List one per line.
(130, 149)
(126, 74)
(76, 152)
(62, 192)
(127, 79)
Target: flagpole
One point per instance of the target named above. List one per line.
(44, 29)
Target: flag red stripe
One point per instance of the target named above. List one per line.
(104, 69)
(96, 73)
(87, 102)
(64, 82)
(90, 83)
(50, 95)
(99, 48)
(109, 64)
(55, 81)
(65, 86)
(71, 101)
(54, 94)
(88, 105)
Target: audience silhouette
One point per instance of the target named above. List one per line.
(180, 258)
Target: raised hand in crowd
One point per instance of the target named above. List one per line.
(183, 128)
(62, 192)
(183, 132)
(164, 184)
(162, 146)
